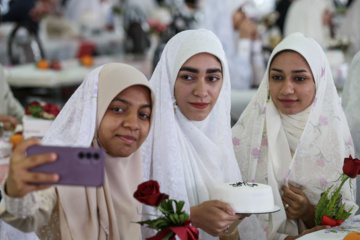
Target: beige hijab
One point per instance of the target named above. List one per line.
(107, 212)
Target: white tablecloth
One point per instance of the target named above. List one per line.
(350, 225)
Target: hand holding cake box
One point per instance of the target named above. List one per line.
(246, 197)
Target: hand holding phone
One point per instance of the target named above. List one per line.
(75, 165)
(20, 181)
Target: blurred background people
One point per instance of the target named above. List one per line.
(240, 38)
(349, 27)
(313, 18)
(11, 111)
(282, 7)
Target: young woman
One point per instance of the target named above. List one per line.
(111, 110)
(293, 135)
(189, 148)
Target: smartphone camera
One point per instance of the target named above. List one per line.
(90, 156)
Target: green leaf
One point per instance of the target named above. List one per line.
(166, 206)
(330, 204)
(179, 206)
(35, 111)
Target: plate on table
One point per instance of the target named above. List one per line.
(275, 209)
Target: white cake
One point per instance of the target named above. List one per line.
(245, 197)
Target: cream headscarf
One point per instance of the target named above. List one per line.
(187, 157)
(106, 212)
(262, 148)
(306, 16)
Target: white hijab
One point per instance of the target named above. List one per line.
(108, 211)
(306, 16)
(188, 157)
(263, 150)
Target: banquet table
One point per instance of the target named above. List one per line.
(56, 86)
(351, 224)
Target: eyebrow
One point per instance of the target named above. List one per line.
(194, 70)
(129, 103)
(293, 71)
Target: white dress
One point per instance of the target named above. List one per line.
(273, 149)
(188, 157)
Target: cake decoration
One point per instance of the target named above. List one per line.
(246, 197)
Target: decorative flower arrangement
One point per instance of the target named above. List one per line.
(173, 222)
(42, 110)
(330, 210)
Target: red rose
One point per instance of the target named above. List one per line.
(351, 167)
(149, 193)
(52, 109)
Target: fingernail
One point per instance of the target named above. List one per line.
(56, 177)
(231, 212)
(53, 156)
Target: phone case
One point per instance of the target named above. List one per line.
(75, 165)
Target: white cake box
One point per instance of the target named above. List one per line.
(35, 127)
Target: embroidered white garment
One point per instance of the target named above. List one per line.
(187, 157)
(351, 101)
(107, 212)
(311, 14)
(262, 148)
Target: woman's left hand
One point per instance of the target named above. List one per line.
(297, 205)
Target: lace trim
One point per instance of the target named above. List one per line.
(22, 207)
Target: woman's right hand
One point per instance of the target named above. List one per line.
(20, 181)
(214, 217)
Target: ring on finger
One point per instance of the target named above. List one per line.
(227, 229)
(286, 206)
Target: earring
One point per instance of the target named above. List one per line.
(268, 97)
(174, 105)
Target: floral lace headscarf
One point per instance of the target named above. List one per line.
(260, 141)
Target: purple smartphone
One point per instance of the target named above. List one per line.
(75, 165)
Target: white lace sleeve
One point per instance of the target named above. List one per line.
(29, 212)
(21, 207)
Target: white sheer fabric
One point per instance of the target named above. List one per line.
(350, 27)
(350, 101)
(187, 157)
(262, 148)
(306, 16)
